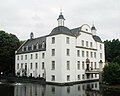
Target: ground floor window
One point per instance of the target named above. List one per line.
(53, 78)
(78, 77)
(83, 76)
(68, 77)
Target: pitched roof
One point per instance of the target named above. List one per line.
(36, 43)
(76, 31)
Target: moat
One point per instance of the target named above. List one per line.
(35, 89)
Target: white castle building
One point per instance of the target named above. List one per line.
(63, 56)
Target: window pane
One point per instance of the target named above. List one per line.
(42, 65)
(82, 53)
(53, 40)
(67, 40)
(53, 52)
(68, 52)
(78, 53)
(68, 65)
(78, 63)
(53, 65)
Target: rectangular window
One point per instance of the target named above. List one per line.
(91, 65)
(82, 53)
(53, 78)
(17, 65)
(53, 65)
(36, 56)
(36, 65)
(43, 55)
(25, 57)
(67, 40)
(43, 65)
(68, 77)
(95, 65)
(25, 66)
(83, 76)
(95, 75)
(31, 56)
(31, 65)
(78, 77)
(17, 57)
(100, 46)
(22, 65)
(53, 52)
(53, 40)
(82, 42)
(87, 54)
(91, 54)
(68, 65)
(68, 52)
(91, 45)
(21, 57)
(86, 43)
(83, 65)
(100, 55)
(78, 53)
(94, 54)
(78, 65)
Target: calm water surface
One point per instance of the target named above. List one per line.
(33, 89)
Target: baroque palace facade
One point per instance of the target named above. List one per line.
(63, 56)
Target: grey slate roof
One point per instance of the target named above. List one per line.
(61, 30)
(76, 31)
(97, 39)
(39, 44)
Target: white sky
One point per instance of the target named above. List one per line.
(21, 17)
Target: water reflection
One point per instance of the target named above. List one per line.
(31, 89)
(51, 90)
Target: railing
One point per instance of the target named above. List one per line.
(92, 71)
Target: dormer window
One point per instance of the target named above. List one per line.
(32, 47)
(23, 48)
(26, 48)
(43, 45)
(40, 46)
(37, 45)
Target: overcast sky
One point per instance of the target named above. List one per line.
(21, 17)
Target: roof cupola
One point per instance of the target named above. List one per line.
(31, 35)
(61, 20)
(93, 29)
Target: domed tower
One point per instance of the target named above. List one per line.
(93, 29)
(61, 20)
(31, 35)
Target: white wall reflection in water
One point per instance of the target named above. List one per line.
(86, 89)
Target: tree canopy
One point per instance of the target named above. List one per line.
(8, 44)
(111, 73)
(112, 51)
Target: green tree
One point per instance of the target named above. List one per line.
(111, 73)
(112, 51)
(8, 44)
